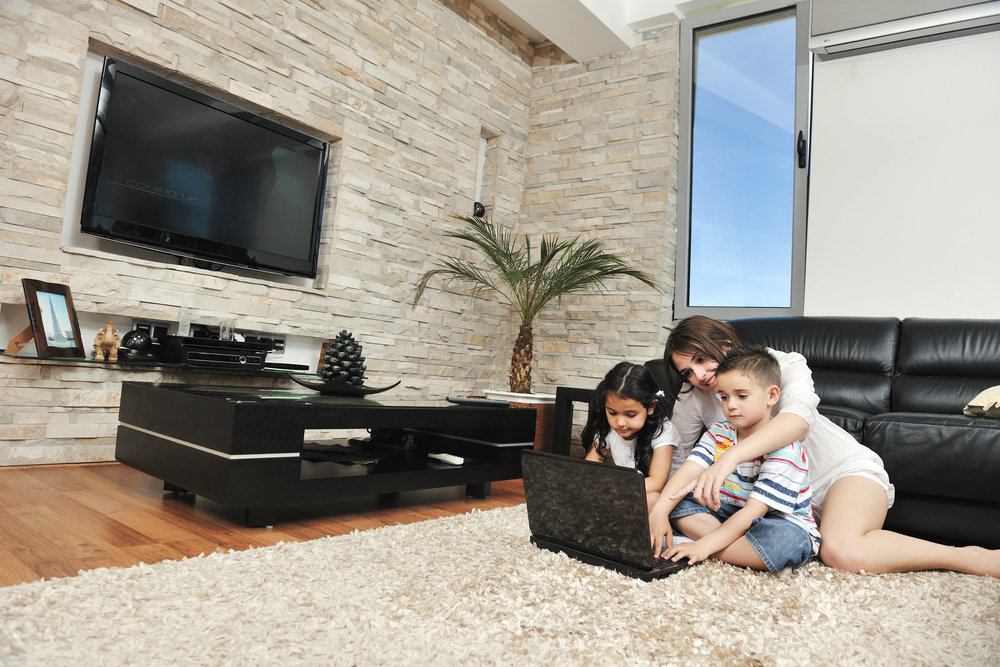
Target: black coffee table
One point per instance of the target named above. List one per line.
(247, 448)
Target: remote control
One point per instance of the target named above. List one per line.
(448, 458)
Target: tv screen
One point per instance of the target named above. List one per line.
(174, 170)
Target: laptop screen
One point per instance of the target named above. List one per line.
(593, 507)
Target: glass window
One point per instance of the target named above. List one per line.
(741, 200)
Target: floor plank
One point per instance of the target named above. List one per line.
(57, 520)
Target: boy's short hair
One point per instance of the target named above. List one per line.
(754, 362)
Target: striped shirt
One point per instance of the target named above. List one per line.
(780, 479)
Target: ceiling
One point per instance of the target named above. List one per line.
(587, 29)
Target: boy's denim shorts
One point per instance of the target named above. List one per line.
(779, 542)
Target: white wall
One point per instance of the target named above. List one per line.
(904, 205)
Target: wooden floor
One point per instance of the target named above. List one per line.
(59, 519)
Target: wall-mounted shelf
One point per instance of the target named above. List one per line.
(124, 364)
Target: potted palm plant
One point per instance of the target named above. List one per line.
(527, 281)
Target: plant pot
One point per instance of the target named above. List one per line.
(545, 411)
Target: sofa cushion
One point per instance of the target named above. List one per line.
(851, 358)
(942, 455)
(943, 363)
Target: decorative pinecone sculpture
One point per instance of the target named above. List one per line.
(343, 360)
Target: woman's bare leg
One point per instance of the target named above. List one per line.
(852, 537)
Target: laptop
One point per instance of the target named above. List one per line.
(593, 512)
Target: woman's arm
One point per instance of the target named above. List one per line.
(593, 454)
(659, 468)
(796, 414)
(777, 433)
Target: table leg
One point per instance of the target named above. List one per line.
(478, 490)
(259, 517)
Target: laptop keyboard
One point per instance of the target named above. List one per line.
(660, 563)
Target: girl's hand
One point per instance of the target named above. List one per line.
(694, 551)
(659, 528)
(705, 488)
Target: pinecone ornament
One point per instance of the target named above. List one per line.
(343, 360)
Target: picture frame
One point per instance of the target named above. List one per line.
(53, 319)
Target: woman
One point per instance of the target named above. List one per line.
(851, 490)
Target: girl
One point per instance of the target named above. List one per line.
(851, 490)
(628, 418)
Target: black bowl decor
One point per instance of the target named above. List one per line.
(137, 340)
(338, 387)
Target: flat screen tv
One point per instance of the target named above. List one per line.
(176, 171)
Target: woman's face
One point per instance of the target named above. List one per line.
(697, 369)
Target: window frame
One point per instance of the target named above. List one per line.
(803, 104)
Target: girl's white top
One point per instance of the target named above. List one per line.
(623, 451)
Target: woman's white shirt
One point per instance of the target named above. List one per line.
(831, 449)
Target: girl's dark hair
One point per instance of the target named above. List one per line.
(630, 381)
(696, 335)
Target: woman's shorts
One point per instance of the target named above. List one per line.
(779, 542)
(852, 468)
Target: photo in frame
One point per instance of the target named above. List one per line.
(53, 319)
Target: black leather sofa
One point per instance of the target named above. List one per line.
(899, 387)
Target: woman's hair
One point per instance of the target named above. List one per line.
(696, 335)
(628, 381)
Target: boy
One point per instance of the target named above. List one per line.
(765, 521)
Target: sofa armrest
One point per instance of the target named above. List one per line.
(849, 419)
(953, 456)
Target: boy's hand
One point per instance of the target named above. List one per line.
(705, 489)
(694, 551)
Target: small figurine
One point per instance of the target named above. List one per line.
(106, 344)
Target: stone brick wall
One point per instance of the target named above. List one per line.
(403, 89)
(602, 164)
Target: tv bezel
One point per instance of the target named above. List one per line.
(178, 245)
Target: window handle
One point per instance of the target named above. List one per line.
(800, 148)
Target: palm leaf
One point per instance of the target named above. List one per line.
(507, 269)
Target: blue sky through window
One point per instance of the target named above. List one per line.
(743, 162)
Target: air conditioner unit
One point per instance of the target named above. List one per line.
(839, 27)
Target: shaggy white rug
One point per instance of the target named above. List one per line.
(471, 590)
